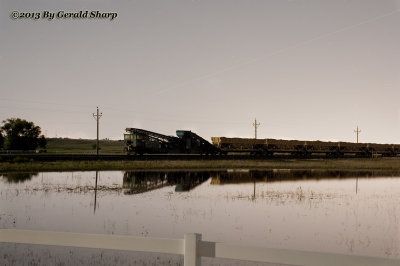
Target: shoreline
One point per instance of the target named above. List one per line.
(194, 165)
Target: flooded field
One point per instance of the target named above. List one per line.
(351, 212)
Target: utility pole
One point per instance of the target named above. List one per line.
(255, 127)
(97, 117)
(357, 131)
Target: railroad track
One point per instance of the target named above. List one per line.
(114, 157)
(51, 157)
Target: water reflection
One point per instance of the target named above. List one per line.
(242, 176)
(355, 212)
(136, 182)
(95, 192)
(143, 181)
(18, 177)
(140, 182)
(274, 175)
(356, 184)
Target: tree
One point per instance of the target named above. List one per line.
(1, 140)
(20, 134)
(42, 142)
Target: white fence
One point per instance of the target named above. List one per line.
(191, 247)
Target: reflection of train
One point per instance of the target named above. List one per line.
(140, 182)
(139, 141)
(239, 176)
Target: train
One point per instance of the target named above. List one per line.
(140, 141)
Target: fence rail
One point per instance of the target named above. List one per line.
(192, 247)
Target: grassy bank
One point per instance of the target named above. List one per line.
(342, 164)
(65, 145)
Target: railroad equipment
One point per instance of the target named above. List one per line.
(193, 143)
(140, 141)
(304, 149)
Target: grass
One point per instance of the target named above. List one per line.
(66, 145)
(341, 164)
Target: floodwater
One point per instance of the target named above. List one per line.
(350, 212)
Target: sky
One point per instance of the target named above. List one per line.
(307, 70)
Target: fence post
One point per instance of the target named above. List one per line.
(190, 253)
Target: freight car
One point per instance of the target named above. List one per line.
(298, 148)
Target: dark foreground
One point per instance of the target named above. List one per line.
(196, 163)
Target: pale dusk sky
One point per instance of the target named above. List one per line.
(309, 70)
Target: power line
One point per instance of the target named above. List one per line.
(255, 124)
(261, 57)
(97, 117)
(146, 115)
(40, 102)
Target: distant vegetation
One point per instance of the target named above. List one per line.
(66, 145)
(20, 134)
